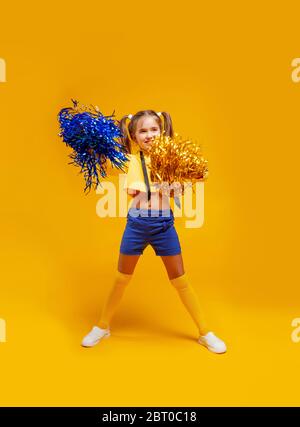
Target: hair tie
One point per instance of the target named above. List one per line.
(129, 116)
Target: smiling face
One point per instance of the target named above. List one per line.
(147, 129)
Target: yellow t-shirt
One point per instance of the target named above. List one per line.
(134, 178)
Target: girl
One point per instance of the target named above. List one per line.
(150, 220)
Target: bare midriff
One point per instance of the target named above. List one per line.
(157, 200)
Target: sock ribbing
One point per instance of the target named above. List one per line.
(113, 298)
(190, 300)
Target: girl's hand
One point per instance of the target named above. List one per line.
(132, 192)
(179, 191)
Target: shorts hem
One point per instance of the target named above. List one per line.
(168, 254)
(131, 253)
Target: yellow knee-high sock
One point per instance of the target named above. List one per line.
(113, 298)
(190, 299)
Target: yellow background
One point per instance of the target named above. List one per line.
(223, 71)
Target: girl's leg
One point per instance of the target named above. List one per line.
(174, 265)
(127, 263)
(126, 266)
(180, 280)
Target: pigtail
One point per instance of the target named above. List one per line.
(169, 131)
(125, 139)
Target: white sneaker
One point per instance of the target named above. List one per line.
(212, 342)
(94, 336)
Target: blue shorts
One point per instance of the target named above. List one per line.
(150, 227)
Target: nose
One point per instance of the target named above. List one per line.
(152, 134)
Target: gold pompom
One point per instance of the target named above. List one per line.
(174, 162)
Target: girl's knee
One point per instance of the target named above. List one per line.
(180, 282)
(122, 278)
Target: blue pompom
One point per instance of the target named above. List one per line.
(93, 138)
